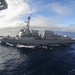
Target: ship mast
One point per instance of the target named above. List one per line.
(28, 21)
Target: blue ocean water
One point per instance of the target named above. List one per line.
(24, 61)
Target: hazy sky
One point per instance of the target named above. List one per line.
(46, 14)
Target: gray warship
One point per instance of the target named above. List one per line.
(29, 37)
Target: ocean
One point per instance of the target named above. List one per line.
(24, 61)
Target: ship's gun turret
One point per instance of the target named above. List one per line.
(26, 32)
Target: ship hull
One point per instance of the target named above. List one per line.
(37, 42)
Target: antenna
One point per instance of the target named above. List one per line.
(28, 20)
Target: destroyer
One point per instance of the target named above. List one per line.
(30, 37)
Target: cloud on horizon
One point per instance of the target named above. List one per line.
(44, 23)
(59, 8)
(11, 16)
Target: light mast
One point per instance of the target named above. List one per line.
(28, 21)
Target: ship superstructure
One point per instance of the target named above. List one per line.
(32, 37)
